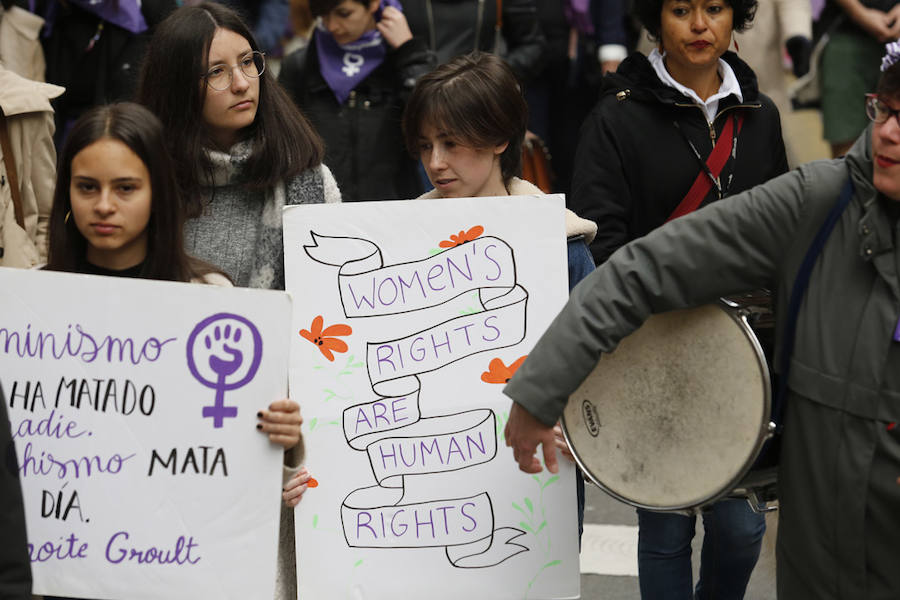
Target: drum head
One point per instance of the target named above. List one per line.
(674, 417)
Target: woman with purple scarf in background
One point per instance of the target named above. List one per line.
(352, 82)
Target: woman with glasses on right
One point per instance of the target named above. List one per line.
(674, 131)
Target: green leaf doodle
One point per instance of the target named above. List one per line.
(312, 423)
(359, 562)
(529, 505)
(526, 527)
(519, 508)
(549, 481)
(315, 521)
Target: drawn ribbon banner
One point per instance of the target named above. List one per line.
(399, 442)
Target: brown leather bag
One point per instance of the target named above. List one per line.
(536, 164)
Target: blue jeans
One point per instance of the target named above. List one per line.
(732, 539)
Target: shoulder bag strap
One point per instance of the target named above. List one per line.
(9, 160)
(801, 282)
(715, 163)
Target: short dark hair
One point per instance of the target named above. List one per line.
(284, 142)
(323, 7)
(141, 131)
(478, 98)
(649, 13)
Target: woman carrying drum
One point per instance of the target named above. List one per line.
(672, 132)
(826, 234)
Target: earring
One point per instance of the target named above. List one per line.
(68, 214)
(734, 39)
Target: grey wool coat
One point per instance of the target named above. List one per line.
(839, 530)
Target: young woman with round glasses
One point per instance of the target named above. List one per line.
(242, 149)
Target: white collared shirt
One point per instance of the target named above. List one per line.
(711, 105)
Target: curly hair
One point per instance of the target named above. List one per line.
(649, 13)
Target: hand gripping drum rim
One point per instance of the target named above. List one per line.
(675, 417)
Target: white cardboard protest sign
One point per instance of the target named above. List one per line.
(408, 317)
(133, 409)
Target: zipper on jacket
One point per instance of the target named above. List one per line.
(623, 94)
(712, 126)
(354, 127)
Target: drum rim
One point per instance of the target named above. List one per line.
(739, 316)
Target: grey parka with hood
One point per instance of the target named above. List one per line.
(839, 530)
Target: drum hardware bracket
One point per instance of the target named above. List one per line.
(759, 505)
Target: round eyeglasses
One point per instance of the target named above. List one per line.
(878, 111)
(252, 64)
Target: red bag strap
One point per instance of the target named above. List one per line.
(716, 162)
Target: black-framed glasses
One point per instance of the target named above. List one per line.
(252, 64)
(878, 111)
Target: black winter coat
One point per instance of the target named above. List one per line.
(450, 28)
(363, 140)
(633, 165)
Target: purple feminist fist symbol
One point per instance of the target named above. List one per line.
(223, 353)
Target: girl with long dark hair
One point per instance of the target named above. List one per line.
(118, 212)
(241, 148)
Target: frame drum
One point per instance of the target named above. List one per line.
(674, 418)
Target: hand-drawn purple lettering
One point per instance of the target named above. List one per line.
(118, 550)
(68, 548)
(399, 441)
(45, 345)
(77, 467)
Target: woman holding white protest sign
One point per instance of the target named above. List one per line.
(242, 152)
(117, 212)
(466, 122)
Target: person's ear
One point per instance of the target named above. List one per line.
(373, 6)
(501, 148)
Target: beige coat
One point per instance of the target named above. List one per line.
(29, 118)
(575, 225)
(20, 48)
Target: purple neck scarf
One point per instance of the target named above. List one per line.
(344, 67)
(126, 15)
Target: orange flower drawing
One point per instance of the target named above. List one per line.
(462, 237)
(500, 373)
(321, 338)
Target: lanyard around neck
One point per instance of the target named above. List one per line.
(715, 177)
